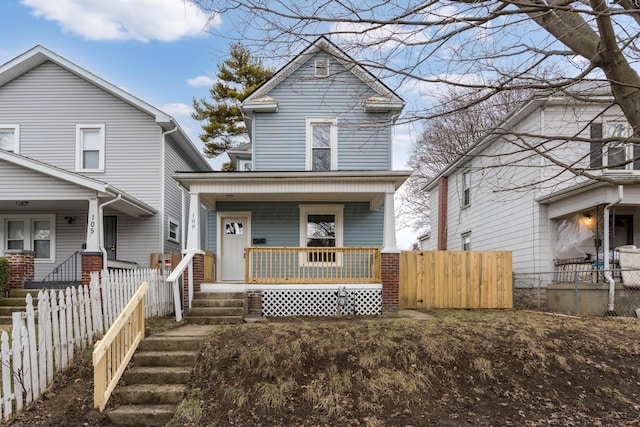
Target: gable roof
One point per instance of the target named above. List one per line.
(581, 91)
(38, 55)
(125, 202)
(387, 99)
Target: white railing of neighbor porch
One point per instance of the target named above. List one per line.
(68, 321)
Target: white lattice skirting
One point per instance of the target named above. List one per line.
(321, 302)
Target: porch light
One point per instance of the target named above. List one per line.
(22, 203)
(587, 218)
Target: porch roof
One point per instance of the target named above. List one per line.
(587, 195)
(334, 186)
(45, 185)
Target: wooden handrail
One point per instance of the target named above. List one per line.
(114, 351)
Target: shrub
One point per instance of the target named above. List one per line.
(4, 275)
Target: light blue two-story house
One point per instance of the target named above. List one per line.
(85, 168)
(309, 210)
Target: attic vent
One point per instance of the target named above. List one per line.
(322, 68)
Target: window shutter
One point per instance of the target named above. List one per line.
(596, 146)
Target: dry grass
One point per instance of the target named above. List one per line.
(483, 367)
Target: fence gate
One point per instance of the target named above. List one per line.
(456, 279)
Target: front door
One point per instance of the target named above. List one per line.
(111, 235)
(234, 239)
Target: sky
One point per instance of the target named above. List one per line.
(164, 52)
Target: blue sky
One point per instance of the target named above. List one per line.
(162, 51)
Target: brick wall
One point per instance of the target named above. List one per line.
(91, 261)
(198, 278)
(390, 282)
(20, 268)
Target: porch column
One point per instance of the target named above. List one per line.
(194, 275)
(93, 227)
(193, 230)
(389, 243)
(390, 255)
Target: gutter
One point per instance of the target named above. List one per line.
(607, 271)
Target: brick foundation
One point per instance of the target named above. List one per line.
(198, 278)
(91, 261)
(390, 282)
(254, 303)
(20, 267)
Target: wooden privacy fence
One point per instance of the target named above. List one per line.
(43, 342)
(455, 279)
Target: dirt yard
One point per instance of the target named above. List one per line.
(458, 368)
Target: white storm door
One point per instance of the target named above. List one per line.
(234, 239)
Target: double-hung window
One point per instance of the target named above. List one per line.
(322, 144)
(616, 153)
(321, 227)
(90, 142)
(32, 233)
(10, 138)
(466, 188)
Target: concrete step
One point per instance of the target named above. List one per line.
(142, 415)
(22, 293)
(219, 295)
(6, 321)
(218, 302)
(170, 343)
(215, 311)
(137, 394)
(15, 302)
(7, 309)
(157, 375)
(165, 358)
(214, 320)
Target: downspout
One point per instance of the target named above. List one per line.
(607, 271)
(101, 234)
(163, 140)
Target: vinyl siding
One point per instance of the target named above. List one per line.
(279, 139)
(174, 162)
(19, 183)
(279, 223)
(48, 101)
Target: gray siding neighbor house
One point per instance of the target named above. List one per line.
(498, 196)
(310, 203)
(86, 166)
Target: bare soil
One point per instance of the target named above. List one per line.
(479, 368)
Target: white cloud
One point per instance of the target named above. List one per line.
(201, 81)
(177, 109)
(142, 20)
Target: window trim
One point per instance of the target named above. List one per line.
(305, 211)
(466, 189)
(16, 134)
(321, 64)
(465, 236)
(333, 140)
(28, 221)
(172, 221)
(80, 151)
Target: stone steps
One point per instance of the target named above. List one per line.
(158, 376)
(217, 308)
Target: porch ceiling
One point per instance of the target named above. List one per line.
(585, 197)
(367, 186)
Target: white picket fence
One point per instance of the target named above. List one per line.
(68, 321)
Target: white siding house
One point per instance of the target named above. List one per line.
(504, 195)
(73, 148)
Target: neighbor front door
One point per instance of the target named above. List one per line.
(111, 236)
(234, 239)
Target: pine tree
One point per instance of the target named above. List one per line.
(222, 122)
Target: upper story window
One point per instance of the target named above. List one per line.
(10, 138)
(322, 144)
(618, 154)
(322, 67)
(90, 148)
(466, 188)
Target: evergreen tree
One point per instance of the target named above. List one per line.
(222, 123)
